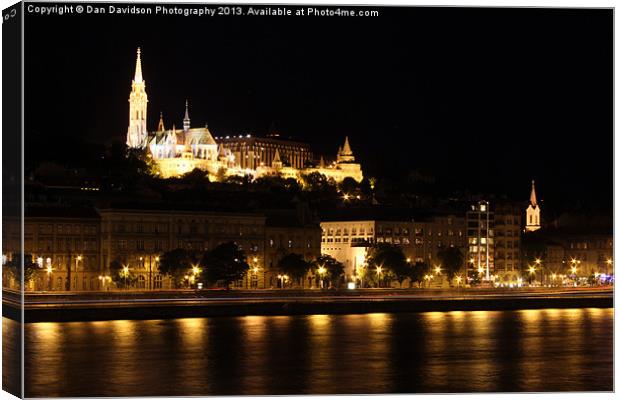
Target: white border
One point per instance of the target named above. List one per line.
(559, 4)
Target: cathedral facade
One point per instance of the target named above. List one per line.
(178, 151)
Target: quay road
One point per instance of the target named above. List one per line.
(44, 306)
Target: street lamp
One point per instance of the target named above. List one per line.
(458, 280)
(77, 259)
(379, 271)
(282, 278)
(49, 276)
(532, 270)
(125, 274)
(538, 262)
(322, 271)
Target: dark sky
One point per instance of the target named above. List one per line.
(486, 98)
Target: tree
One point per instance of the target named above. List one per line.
(294, 265)
(316, 182)
(333, 269)
(451, 261)
(196, 178)
(123, 278)
(225, 263)
(418, 270)
(15, 267)
(348, 185)
(176, 264)
(390, 260)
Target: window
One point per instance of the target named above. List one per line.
(141, 282)
(140, 244)
(157, 284)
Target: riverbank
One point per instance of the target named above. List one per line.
(60, 307)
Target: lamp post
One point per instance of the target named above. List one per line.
(532, 270)
(379, 272)
(151, 272)
(125, 274)
(321, 272)
(538, 262)
(49, 276)
(574, 262)
(77, 260)
(283, 279)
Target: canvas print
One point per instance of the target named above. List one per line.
(243, 199)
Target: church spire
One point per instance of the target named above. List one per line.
(276, 163)
(346, 149)
(186, 121)
(137, 134)
(533, 196)
(138, 76)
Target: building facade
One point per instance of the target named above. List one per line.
(65, 244)
(420, 239)
(74, 247)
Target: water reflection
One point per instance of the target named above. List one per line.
(529, 350)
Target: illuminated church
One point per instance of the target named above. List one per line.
(178, 151)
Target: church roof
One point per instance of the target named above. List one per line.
(203, 134)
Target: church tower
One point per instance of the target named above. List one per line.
(186, 121)
(136, 132)
(532, 213)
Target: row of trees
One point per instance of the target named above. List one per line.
(390, 264)
(226, 264)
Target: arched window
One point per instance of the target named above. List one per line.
(59, 283)
(158, 282)
(141, 282)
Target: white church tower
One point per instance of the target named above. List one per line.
(532, 213)
(136, 132)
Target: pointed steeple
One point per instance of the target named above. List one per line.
(276, 163)
(186, 118)
(345, 154)
(160, 126)
(221, 152)
(322, 163)
(138, 76)
(346, 149)
(137, 134)
(533, 196)
(276, 157)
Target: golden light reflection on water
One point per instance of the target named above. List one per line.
(254, 332)
(534, 350)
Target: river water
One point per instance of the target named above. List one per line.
(479, 351)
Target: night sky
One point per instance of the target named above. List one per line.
(485, 99)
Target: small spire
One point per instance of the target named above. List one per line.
(322, 163)
(138, 77)
(160, 126)
(186, 122)
(533, 196)
(346, 149)
(276, 157)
